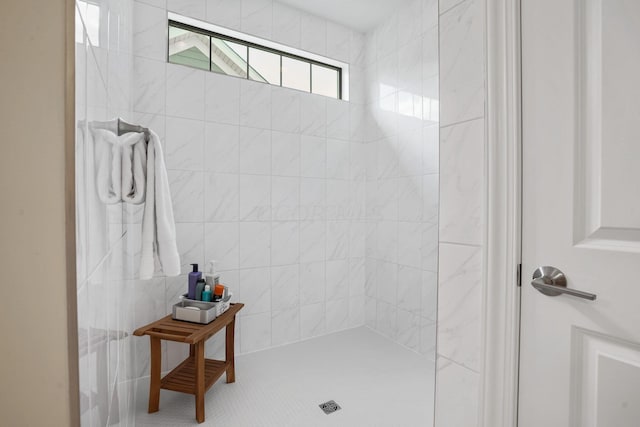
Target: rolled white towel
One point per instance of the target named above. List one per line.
(120, 166)
(134, 171)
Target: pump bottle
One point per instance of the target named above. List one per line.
(194, 276)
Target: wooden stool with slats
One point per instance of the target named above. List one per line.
(195, 375)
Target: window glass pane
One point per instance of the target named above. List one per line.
(228, 57)
(324, 81)
(264, 66)
(90, 14)
(296, 74)
(236, 57)
(188, 48)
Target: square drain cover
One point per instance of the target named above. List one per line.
(329, 407)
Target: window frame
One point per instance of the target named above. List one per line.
(249, 44)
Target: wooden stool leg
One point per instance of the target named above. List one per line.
(230, 351)
(199, 359)
(154, 385)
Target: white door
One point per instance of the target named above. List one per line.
(580, 359)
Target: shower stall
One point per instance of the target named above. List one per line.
(322, 212)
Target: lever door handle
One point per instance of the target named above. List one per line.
(552, 282)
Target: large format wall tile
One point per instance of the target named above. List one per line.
(185, 92)
(285, 326)
(286, 25)
(459, 304)
(255, 290)
(457, 393)
(150, 33)
(312, 320)
(461, 182)
(285, 154)
(149, 92)
(184, 146)
(188, 195)
(257, 17)
(314, 34)
(221, 242)
(193, 8)
(221, 197)
(255, 244)
(462, 80)
(226, 13)
(255, 104)
(255, 332)
(190, 244)
(255, 151)
(222, 98)
(221, 148)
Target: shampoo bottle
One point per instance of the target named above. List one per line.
(206, 295)
(210, 273)
(193, 282)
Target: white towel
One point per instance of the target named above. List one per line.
(132, 171)
(158, 225)
(120, 167)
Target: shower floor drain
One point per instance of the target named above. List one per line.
(329, 407)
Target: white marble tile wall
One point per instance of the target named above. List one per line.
(401, 67)
(462, 166)
(268, 181)
(317, 230)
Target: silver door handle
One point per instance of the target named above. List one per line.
(552, 282)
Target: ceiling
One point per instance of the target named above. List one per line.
(361, 15)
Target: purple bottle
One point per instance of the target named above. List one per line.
(194, 276)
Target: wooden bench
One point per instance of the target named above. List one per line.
(195, 375)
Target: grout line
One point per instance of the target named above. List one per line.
(461, 244)
(458, 3)
(439, 355)
(271, 220)
(462, 122)
(299, 207)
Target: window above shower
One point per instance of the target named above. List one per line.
(208, 47)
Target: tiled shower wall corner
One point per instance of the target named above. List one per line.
(462, 222)
(269, 181)
(105, 319)
(402, 176)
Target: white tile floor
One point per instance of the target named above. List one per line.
(376, 382)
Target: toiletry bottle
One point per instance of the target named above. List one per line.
(217, 292)
(210, 273)
(206, 294)
(193, 282)
(199, 289)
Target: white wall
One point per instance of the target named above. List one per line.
(462, 224)
(269, 181)
(402, 176)
(35, 368)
